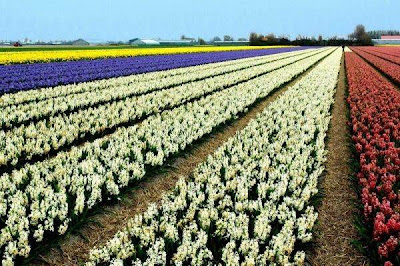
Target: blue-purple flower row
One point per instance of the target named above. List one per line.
(15, 78)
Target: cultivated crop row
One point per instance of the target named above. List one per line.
(389, 68)
(251, 202)
(15, 78)
(69, 55)
(59, 91)
(41, 137)
(380, 53)
(99, 92)
(375, 121)
(393, 51)
(41, 199)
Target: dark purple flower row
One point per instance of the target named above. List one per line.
(15, 78)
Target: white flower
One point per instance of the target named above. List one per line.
(98, 169)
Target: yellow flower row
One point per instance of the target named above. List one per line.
(67, 55)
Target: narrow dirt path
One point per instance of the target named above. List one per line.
(74, 249)
(335, 228)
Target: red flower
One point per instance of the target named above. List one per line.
(375, 120)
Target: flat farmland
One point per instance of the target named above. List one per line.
(200, 156)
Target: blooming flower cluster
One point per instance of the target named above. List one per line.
(40, 137)
(248, 203)
(387, 67)
(68, 55)
(42, 197)
(388, 53)
(80, 96)
(59, 91)
(14, 78)
(375, 121)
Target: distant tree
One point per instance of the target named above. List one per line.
(242, 39)
(253, 38)
(227, 38)
(320, 38)
(216, 39)
(270, 39)
(183, 37)
(201, 41)
(360, 35)
(359, 31)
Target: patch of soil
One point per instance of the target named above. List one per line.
(335, 229)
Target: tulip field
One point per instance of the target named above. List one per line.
(81, 129)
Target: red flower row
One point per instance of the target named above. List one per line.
(383, 53)
(389, 68)
(375, 121)
(391, 50)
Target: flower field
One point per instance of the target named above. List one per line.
(79, 137)
(58, 127)
(387, 67)
(252, 197)
(68, 55)
(30, 76)
(99, 169)
(375, 122)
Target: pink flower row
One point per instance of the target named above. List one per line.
(375, 121)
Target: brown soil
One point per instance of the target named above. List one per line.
(335, 229)
(74, 249)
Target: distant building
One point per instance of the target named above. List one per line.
(394, 37)
(177, 42)
(387, 40)
(138, 41)
(79, 42)
(233, 43)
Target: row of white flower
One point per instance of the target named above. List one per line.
(43, 136)
(64, 90)
(116, 91)
(42, 197)
(248, 203)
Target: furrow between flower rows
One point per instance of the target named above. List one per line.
(250, 203)
(41, 137)
(41, 199)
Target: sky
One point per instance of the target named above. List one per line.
(106, 20)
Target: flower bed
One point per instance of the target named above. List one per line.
(250, 202)
(52, 133)
(64, 90)
(15, 78)
(375, 122)
(389, 68)
(44, 197)
(383, 53)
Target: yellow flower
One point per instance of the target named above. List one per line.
(67, 55)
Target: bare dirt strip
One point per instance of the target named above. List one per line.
(74, 248)
(335, 229)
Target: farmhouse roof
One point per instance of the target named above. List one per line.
(387, 37)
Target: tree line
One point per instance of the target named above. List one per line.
(358, 37)
(376, 34)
